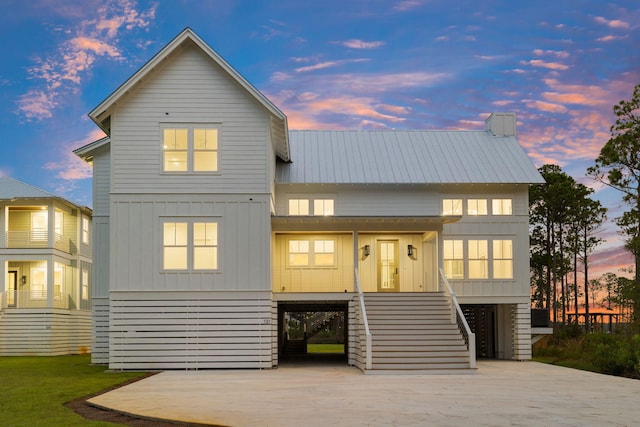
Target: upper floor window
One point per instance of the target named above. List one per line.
(451, 206)
(192, 148)
(58, 225)
(84, 290)
(477, 207)
(501, 207)
(85, 230)
(298, 206)
(190, 245)
(323, 207)
(478, 259)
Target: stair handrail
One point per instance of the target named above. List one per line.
(363, 311)
(457, 316)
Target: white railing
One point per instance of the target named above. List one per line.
(365, 322)
(35, 298)
(458, 318)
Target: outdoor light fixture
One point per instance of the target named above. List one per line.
(411, 250)
(23, 280)
(366, 250)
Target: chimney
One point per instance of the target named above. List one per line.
(501, 124)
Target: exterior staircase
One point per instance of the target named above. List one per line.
(413, 332)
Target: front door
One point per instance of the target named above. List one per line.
(12, 288)
(388, 278)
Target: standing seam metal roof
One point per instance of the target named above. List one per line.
(405, 157)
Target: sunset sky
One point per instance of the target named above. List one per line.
(350, 64)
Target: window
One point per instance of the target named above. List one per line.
(477, 207)
(190, 148)
(503, 259)
(39, 283)
(478, 259)
(312, 253)
(175, 245)
(58, 220)
(299, 207)
(501, 207)
(39, 226)
(205, 246)
(85, 230)
(298, 253)
(190, 245)
(452, 207)
(323, 207)
(323, 252)
(58, 281)
(84, 290)
(453, 259)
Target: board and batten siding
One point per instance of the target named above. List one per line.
(189, 88)
(101, 180)
(191, 330)
(137, 246)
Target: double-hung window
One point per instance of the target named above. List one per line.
(299, 207)
(190, 148)
(478, 259)
(453, 259)
(503, 259)
(85, 230)
(311, 252)
(190, 245)
(501, 207)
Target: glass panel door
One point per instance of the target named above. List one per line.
(388, 278)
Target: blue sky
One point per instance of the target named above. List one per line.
(350, 64)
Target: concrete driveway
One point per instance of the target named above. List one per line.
(500, 393)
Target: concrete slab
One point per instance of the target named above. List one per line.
(501, 393)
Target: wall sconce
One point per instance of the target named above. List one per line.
(366, 250)
(23, 280)
(411, 251)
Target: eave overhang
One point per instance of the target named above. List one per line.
(404, 224)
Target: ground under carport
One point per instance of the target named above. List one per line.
(500, 393)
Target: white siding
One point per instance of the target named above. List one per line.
(189, 88)
(191, 330)
(243, 242)
(100, 331)
(101, 180)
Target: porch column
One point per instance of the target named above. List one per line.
(356, 253)
(50, 280)
(4, 226)
(51, 225)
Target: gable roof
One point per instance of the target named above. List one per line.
(102, 113)
(406, 157)
(12, 188)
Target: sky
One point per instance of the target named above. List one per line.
(351, 64)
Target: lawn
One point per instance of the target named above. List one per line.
(325, 348)
(33, 390)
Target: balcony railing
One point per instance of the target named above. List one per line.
(29, 239)
(36, 298)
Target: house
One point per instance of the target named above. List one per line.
(45, 253)
(213, 223)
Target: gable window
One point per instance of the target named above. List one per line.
(39, 226)
(190, 245)
(501, 207)
(477, 207)
(190, 148)
(85, 230)
(323, 207)
(478, 259)
(453, 259)
(299, 207)
(503, 259)
(451, 206)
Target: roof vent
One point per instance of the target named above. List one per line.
(501, 124)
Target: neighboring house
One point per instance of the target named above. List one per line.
(213, 222)
(45, 251)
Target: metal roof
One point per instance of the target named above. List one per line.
(405, 157)
(12, 188)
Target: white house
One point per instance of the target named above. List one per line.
(45, 254)
(212, 221)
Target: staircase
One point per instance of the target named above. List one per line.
(413, 332)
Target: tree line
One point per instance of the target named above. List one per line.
(565, 221)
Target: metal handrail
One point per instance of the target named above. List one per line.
(363, 310)
(458, 318)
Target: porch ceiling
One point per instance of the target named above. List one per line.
(360, 223)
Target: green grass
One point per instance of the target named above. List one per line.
(325, 348)
(33, 390)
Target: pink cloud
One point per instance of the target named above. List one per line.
(70, 167)
(614, 23)
(64, 71)
(405, 5)
(545, 106)
(328, 64)
(545, 64)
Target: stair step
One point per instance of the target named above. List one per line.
(426, 355)
(415, 366)
(425, 348)
(402, 325)
(442, 340)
